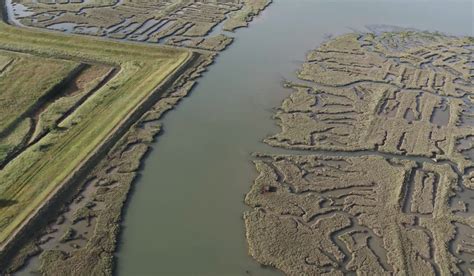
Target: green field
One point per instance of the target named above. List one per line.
(33, 176)
(24, 80)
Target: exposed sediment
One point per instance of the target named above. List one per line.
(407, 94)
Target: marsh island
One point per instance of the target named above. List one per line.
(389, 118)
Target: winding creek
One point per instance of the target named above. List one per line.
(185, 214)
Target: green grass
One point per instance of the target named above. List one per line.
(36, 173)
(85, 84)
(4, 62)
(26, 79)
(15, 138)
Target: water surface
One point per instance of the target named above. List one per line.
(185, 215)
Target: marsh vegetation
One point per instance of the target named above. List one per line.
(382, 203)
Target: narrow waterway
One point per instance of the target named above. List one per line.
(185, 214)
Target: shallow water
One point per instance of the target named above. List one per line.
(185, 214)
(16, 11)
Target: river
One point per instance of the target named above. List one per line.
(185, 214)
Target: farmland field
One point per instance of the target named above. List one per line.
(39, 168)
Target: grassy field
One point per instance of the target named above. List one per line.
(24, 80)
(28, 180)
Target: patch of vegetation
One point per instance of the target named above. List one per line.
(15, 139)
(75, 93)
(68, 235)
(242, 17)
(27, 80)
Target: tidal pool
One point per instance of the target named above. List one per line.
(184, 216)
